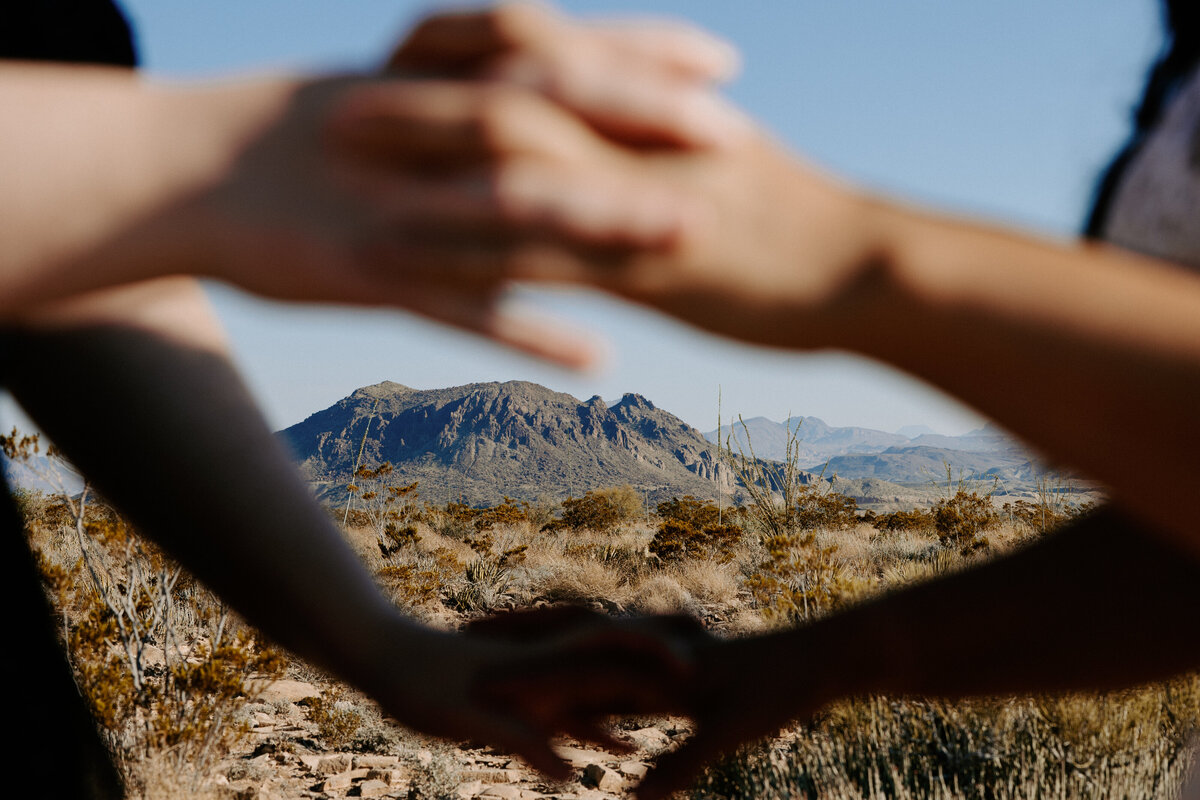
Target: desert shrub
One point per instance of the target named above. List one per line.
(421, 578)
(508, 512)
(394, 537)
(163, 667)
(453, 520)
(336, 718)
(378, 499)
(487, 579)
(677, 540)
(601, 509)
(798, 580)
(819, 506)
(960, 519)
(687, 509)
(914, 520)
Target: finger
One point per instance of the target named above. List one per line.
(459, 40)
(454, 39)
(676, 771)
(541, 338)
(690, 52)
(626, 99)
(533, 746)
(597, 734)
(527, 199)
(435, 124)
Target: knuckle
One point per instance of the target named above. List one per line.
(514, 189)
(502, 114)
(518, 23)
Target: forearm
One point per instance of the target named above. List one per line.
(1090, 354)
(1100, 605)
(168, 432)
(98, 169)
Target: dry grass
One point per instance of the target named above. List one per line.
(1130, 744)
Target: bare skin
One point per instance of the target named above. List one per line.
(279, 185)
(774, 253)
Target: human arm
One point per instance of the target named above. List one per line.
(1068, 345)
(113, 179)
(1101, 604)
(136, 387)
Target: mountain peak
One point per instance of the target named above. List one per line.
(521, 439)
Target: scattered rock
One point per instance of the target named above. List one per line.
(331, 765)
(650, 740)
(424, 757)
(506, 791)
(578, 757)
(372, 788)
(343, 780)
(392, 777)
(603, 778)
(468, 789)
(491, 775)
(376, 762)
(633, 769)
(291, 691)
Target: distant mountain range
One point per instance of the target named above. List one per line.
(987, 453)
(480, 442)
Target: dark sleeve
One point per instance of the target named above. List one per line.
(78, 31)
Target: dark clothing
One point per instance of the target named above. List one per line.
(56, 745)
(77, 31)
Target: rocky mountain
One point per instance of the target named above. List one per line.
(480, 442)
(484, 440)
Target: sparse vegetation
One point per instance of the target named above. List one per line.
(171, 675)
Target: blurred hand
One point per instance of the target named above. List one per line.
(516, 683)
(742, 240)
(640, 81)
(741, 691)
(347, 190)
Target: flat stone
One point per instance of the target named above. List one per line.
(594, 794)
(649, 739)
(578, 757)
(491, 775)
(392, 777)
(468, 789)
(376, 762)
(331, 765)
(633, 769)
(506, 791)
(424, 757)
(310, 762)
(292, 691)
(603, 778)
(343, 780)
(370, 788)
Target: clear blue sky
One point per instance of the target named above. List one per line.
(1003, 109)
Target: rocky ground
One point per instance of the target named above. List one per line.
(284, 757)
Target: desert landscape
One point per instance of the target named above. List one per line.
(194, 704)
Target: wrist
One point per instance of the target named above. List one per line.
(198, 135)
